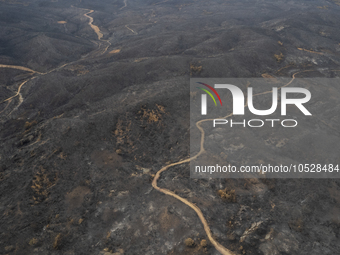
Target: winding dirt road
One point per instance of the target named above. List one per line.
(33, 72)
(22, 68)
(18, 92)
(207, 229)
(199, 213)
(310, 51)
(125, 4)
(133, 31)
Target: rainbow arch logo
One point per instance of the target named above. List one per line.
(204, 97)
(209, 93)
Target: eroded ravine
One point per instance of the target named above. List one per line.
(97, 30)
(94, 27)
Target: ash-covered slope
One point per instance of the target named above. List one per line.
(78, 154)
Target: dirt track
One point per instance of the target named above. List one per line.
(217, 245)
(19, 68)
(96, 30)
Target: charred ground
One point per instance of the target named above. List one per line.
(79, 153)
